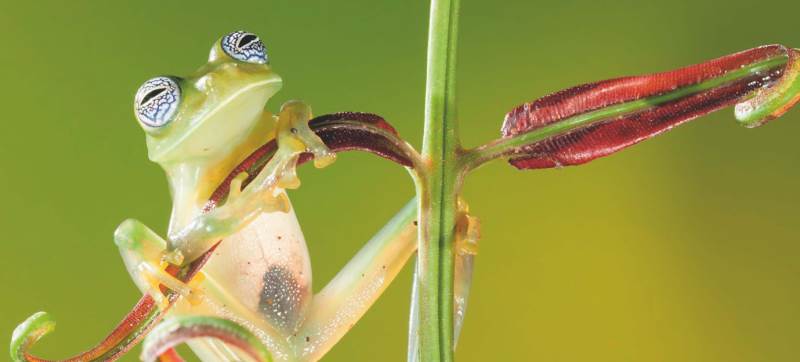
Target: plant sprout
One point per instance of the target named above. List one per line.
(566, 128)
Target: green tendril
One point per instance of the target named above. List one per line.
(28, 332)
(177, 330)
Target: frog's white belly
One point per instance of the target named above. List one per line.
(266, 267)
(259, 277)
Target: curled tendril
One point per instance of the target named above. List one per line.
(339, 131)
(28, 332)
(174, 331)
(130, 331)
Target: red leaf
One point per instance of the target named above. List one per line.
(361, 131)
(606, 136)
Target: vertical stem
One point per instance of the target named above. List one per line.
(438, 187)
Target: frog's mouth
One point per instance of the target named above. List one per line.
(219, 130)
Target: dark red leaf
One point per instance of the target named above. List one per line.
(609, 135)
(363, 132)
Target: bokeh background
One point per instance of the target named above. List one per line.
(684, 248)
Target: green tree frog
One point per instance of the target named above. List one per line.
(198, 128)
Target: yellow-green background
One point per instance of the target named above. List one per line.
(684, 248)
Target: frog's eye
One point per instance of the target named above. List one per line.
(245, 47)
(156, 101)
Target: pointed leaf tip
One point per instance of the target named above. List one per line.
(773, 101)
(580, 124)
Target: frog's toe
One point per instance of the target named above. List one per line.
(174, 257)
(235, 188)
(279, 202)
(155, 277)
(161, 300)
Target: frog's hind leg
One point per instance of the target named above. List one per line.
(335, 309)
(143, 252)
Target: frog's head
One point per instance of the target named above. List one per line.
(205, 115)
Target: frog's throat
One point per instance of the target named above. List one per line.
(162, 152)
(192, 182)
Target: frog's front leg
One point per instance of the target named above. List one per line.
(143, 252)
(265, 192)
(240, 209)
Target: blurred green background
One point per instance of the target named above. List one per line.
(684, 248)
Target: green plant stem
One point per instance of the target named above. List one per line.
(438, 187)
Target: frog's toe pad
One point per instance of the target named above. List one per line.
(156, 277)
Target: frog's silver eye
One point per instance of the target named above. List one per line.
(245, 47)
(156, 101)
